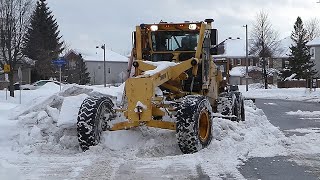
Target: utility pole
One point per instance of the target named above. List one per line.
(104, 65)
(264, 62)
(247, 60)
(60, 76)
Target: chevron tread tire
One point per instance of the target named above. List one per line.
(92, 119)
(194, 117)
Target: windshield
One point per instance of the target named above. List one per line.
(174, 40)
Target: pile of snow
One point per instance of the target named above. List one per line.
(241, 70)
(49, 123)
(297, 94)
(304, 113)
(290, 77)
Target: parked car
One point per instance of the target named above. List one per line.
(16, 86)
(37, 84)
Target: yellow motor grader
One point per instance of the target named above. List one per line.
(176, 85)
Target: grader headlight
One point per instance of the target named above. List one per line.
(192, 26)
(154, 28)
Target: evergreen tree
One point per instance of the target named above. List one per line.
(300, 61)
(42, 41)
(82, 71)
(78, 73)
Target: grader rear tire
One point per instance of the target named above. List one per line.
(243, 117)
(228, 105)
(194, 124)
(92, 118)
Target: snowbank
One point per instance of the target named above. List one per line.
(48, 123)
(305, 113)
(295, 94)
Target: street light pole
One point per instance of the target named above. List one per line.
(104, 65)
(247, 76)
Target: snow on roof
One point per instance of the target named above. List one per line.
(234, 48)
(285, 45)
(111, 56)
(314, 42)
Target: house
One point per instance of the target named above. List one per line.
(71, 57)
(116, 67)
(26, 66)
(234, 51)
(314, 46)
(280, 59)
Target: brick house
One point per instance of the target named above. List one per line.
(234, 51)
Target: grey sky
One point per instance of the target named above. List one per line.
(87, 23)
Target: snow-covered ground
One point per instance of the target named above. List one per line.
(38, 141)
(296, 94)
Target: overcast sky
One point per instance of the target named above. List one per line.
(87, 23)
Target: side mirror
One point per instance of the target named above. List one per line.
(214, 37)
(214, 42)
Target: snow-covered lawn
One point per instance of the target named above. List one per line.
(296, 94)
(38, 141)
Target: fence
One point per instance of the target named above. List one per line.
(295, 84)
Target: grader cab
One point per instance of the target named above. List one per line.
(175, 85)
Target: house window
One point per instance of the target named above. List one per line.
(286, 63)
(312, 53)
(270, 63)
(231, 61)
(238, 61)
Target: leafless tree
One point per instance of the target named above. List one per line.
(14, 18)
(313, 28)
(264, 41)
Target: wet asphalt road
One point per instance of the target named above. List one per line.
(283, 168)
(276, 110)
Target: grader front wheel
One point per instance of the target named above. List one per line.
(92, 118)
(194, 124)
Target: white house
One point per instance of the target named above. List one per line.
(116, 66)
(315, 54)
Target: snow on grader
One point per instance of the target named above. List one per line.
(176, 85)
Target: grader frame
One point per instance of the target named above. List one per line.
(191, 84)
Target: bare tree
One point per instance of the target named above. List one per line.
(14, 18)
(264, 41)
(313, 28)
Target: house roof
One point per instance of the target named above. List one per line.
(236, 48)
(314, 42)
(233, 48)
(284, 48)
(111, 56)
